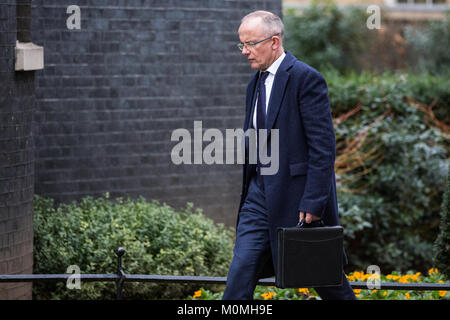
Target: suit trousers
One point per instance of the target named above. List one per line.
(252, 252)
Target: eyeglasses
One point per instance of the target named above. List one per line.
(249, 45)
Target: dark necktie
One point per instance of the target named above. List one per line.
(261, 104)
(261, 117)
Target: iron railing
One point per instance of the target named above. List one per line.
(121, 277)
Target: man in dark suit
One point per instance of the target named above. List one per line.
(292, 97)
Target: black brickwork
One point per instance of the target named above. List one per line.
(16, 154)
(112, 93)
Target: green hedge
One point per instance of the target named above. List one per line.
(442, 244)
(325, 35)
(376, 91)
(429, 47)
(390, 201)
(157, 239)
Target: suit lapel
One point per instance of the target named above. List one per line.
(250, 101)
(276, 96)
(278, 89)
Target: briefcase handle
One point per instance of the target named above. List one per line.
(313, 224)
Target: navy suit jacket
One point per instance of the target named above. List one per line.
(300, 110)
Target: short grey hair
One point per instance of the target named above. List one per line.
(271, 21)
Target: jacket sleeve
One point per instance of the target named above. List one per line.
(318, 128)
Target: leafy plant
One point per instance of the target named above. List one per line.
(429, 46)
(442, 244)
(325, 36)
(329, 37)
(157, 240)
(391, 162)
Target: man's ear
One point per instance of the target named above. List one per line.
(276, 42)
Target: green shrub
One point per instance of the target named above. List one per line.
(390, 201)
(347, 90)
(429, 47)
(432, 90)
(157, 240)
(326, 36)
(442, 243)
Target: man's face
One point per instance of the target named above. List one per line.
(261, 55)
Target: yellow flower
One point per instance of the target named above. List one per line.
(393, 277)
(303, 291)
(415, 277)
(268, 295)
(442, 293)
(373, 291)
(431, 271)
(407, 296)
(356, 291)
(357, 275)
(384, 294)
(197, 294)
(403, 279)
(374, 276)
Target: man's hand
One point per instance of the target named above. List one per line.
(309, 217)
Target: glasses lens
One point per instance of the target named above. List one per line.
(240, 46)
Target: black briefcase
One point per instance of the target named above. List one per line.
(309, 255)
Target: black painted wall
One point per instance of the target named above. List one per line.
(16, 152)
(112, 93)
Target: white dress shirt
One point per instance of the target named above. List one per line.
(268, 83)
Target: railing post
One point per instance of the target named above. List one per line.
(119, 252)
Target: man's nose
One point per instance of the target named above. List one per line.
(245, 51)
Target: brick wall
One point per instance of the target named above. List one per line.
(112, 93)
(16, 153)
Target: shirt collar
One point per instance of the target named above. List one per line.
(276, 64)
